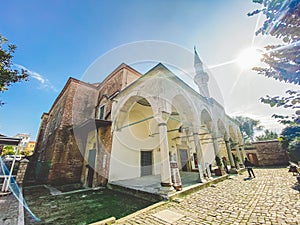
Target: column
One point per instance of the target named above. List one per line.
(244, 152)
(239, 155)
(228, 148)
(201, 165)
(21, 171)
(166, 180)
(216, 144)
(217, 151)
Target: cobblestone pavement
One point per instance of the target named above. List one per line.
(270, 198)
(9, 210)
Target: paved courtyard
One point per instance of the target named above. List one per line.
(270, 198)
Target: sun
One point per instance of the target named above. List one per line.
(249, 58)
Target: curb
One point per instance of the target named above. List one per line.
(21, 209)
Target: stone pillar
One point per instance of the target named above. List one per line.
(201, 165)
(244, 152)
(166, 180)
(21, 171)
(228, 148)
(216, 144)
(217, 151)
(239, 155)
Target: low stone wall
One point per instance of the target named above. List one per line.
(22, 170)
(268, 153)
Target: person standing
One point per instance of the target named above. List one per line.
(249, 167)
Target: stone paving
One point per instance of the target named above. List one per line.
(270, 198)
(9, 207)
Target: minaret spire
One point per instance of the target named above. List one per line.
(201, 77)
(197, 61)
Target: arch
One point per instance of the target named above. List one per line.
(232, 134)
(240, 136)
(185, 109)
(206, 120)
(221, 128)
(135, 114)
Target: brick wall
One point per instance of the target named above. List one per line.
(57, 158)
(105, 143)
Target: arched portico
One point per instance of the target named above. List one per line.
(134, 149)
(226, 153)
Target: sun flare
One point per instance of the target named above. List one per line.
(249, 58)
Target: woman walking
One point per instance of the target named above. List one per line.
(249, 167)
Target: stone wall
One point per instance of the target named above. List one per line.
(268, 153)
(21, 171)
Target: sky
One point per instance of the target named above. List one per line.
(60, 39)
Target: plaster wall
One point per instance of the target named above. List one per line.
(128, 143)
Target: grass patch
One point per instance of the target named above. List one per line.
(79, 208)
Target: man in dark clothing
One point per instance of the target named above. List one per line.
(249, 167)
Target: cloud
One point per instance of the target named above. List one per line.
(44, 82)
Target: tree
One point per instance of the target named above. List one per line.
(8, 74)
(268, 135)
(290, 141)
(283, 61)
(8, 150)
(247, 127)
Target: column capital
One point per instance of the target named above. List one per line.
(162, 116)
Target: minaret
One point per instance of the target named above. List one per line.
(201, 77)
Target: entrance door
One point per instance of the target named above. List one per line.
(91, 166)
(184, 159)
(146, 163)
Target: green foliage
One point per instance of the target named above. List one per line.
(291, 101)
(268, 135)
(247, 126)
(8, 150)
(8, 74)
(294, 150)
(283, 22)
(290, 141)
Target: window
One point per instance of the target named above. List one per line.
(101, 112)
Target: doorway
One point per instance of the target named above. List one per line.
(91, 167)
(184, 159)
(146, 163)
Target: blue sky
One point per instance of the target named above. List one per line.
(58, 39)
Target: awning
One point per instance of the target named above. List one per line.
(9, 141)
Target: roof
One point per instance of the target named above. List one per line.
(9, 141)
(120, 67)
(70, 80)
(170, 74)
